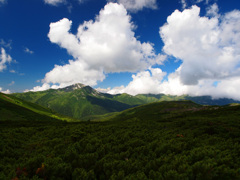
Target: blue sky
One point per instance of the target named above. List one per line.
(155, 46)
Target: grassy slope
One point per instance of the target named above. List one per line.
(13, 108)
(77, 103)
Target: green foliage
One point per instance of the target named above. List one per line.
(169, 140)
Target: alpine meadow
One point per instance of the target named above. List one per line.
(117, 89)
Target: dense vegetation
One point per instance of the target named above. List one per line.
(80, 101)
(168, 140)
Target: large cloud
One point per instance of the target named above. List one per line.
(210, 54)
(74, 72)
(106, 45)
(4, 59)
(208, 47)
(136, 5)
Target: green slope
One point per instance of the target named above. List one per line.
(76, 101)
(12, 108)
(154, 111)
(165, 140)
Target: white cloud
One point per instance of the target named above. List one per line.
(26, 50)
(4, 59)
(54, 2)
(102, 90)
(5, 92)
(209, 50)
(213, 10)
(143, 82)
(184, 4)
(208, 47)
(44, 87)
(136, 5)
(146, 82)
(106, 45)
(199, 1)
(74, 72)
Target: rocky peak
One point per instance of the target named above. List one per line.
(73, 87)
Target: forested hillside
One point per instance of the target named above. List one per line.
(168, 140)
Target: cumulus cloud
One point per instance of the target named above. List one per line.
(208, 47)
(54, 2)
(146, 82)
(44, 87)
(136, 5)
(4, 59)
(74, 72)
(143, 82)
(209, 50)
(106, 45)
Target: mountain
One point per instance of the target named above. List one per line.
(203, 100)
(80, 101)
(76, 101)
(15, 109)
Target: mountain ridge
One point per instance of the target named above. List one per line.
(79, 100)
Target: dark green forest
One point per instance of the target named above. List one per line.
(169, 140)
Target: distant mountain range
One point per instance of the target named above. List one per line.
(80, 101)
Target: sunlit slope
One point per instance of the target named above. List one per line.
(12, 108)
(76, 101)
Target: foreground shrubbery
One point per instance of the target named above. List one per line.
(166, 145)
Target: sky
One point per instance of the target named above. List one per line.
(173, 47)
